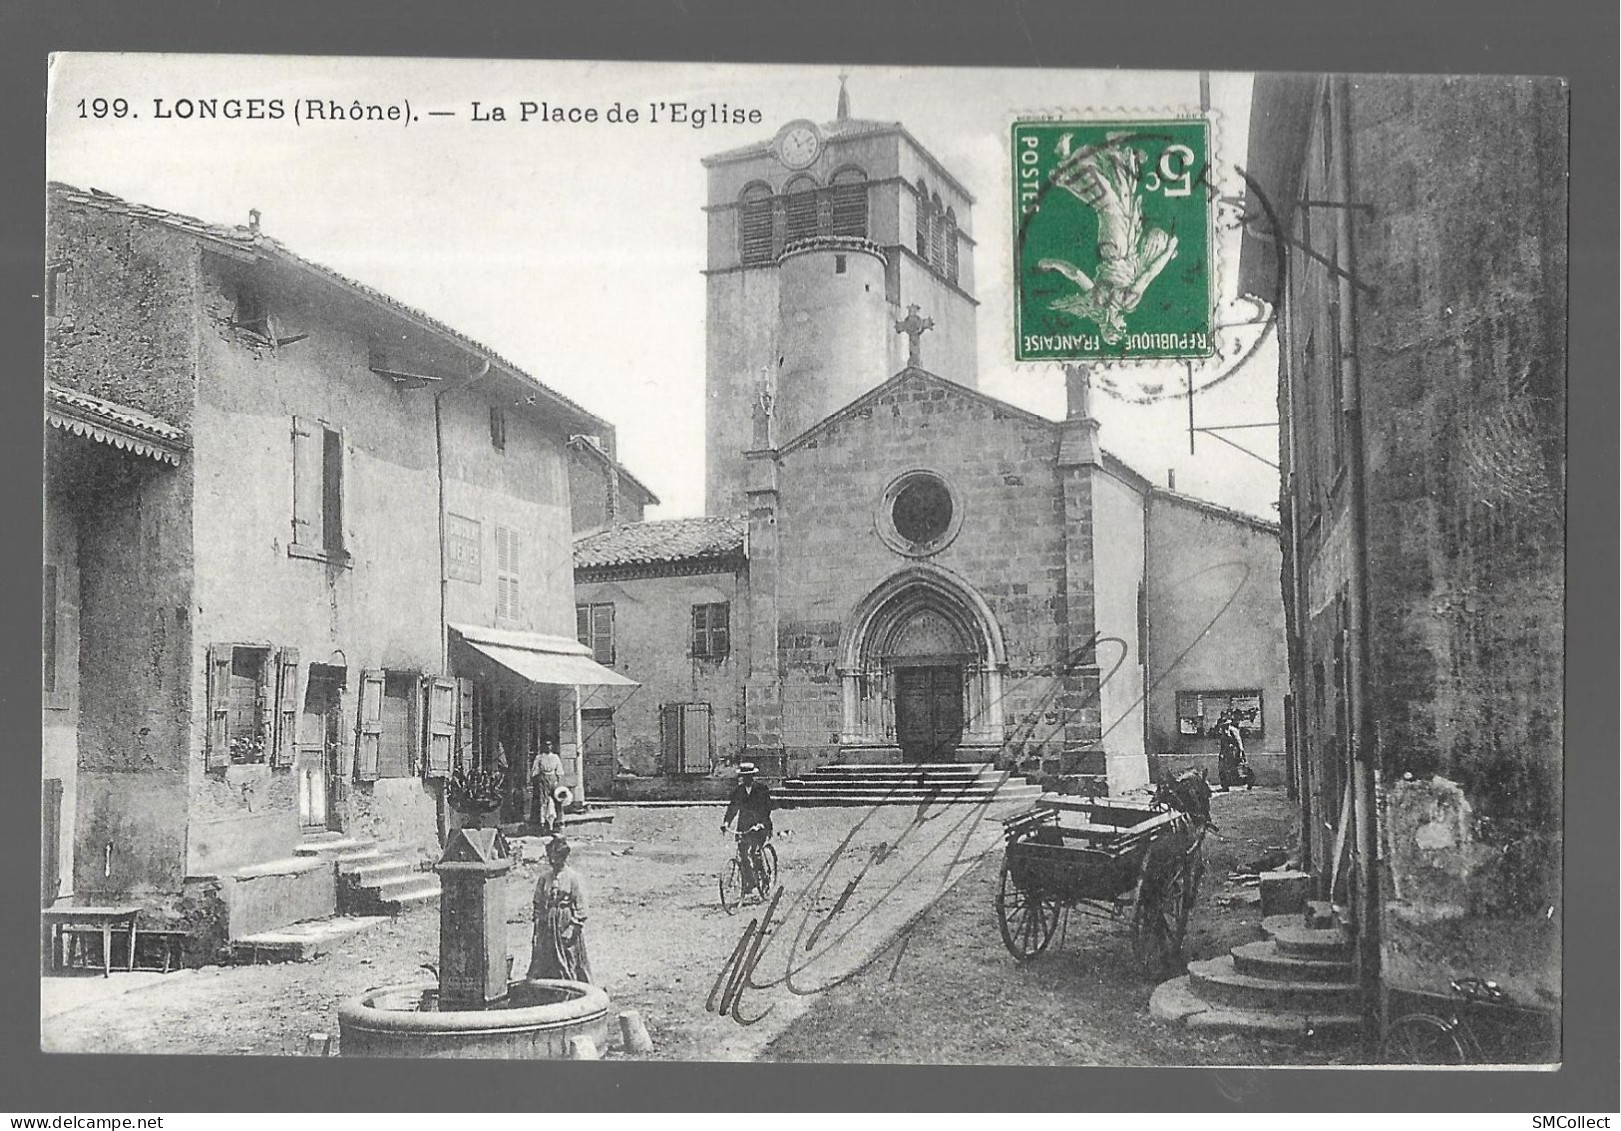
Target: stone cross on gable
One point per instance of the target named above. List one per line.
(913, 326)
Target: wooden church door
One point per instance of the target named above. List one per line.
(928, 712)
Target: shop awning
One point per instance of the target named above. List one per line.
(551, 660)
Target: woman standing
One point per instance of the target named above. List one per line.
(561, 908)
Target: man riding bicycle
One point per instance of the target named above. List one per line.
(750, 806)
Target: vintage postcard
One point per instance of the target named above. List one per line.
(583, 560)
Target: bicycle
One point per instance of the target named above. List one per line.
(763, 863)
(1513, 1034)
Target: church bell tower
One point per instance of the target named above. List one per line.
(821, 238)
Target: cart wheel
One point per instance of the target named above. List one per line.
(1161, 918)
(731, 885)
(1027, 920)
(1421, 1038)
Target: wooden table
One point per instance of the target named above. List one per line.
(105, 919)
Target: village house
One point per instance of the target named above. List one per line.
(308, 553)
(1411, 234)
(894, 566)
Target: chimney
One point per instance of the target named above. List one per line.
(1170, 478)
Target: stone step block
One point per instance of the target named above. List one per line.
(1178, 1001)
(426, 891)
(1218, 981)
(1284, 893)
(1263, 959)
(1330, 943)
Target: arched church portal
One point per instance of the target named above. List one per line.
(921, 662)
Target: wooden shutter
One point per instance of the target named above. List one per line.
(466, 755)
(850, 204)
(602, 634)
(369, 730)
(309, 482)
(695, 731)
(507, 602)
(219, 706)
(756, 226)
(285, 748)
(670, 736)
(441, 727)
(686, 736)
(801, 211)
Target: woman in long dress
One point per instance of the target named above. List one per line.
(561, 908)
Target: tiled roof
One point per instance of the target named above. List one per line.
(115, 424)
(662, 540)
(254, 242)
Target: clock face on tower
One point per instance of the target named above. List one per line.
(798, 144)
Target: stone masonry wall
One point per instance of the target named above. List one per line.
(1000, 465)
(1462, 349)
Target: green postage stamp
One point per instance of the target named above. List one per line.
(1112, 240)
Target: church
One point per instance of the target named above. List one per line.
(895, 567)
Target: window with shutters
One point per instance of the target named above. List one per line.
(950, 264)
(800, 207)
(937, 234)
(923, 220)
(687, 734)
(711, 630)
(508, 588)
(594, 627)
(755, 220)
(498, 428)
(849, 203)
(317, 492)
(240, 718)
(398, 748)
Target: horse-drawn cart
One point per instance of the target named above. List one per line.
(1108, 859)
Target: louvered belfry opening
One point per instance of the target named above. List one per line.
(768, 223)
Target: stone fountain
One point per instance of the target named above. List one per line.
(475, 1009)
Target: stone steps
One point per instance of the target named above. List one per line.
(951, 783)
(378, 879)
(1218, 980)
(1264, 959)
(300, 942)
(1176, 1001)
(1298, 980)
(1307, 942)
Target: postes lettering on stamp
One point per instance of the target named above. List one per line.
(1112, 248)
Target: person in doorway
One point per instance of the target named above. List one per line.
(546, 778)
(561, 909)
(750, 807)
(1232, 766)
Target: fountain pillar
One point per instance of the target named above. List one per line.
(473, 919)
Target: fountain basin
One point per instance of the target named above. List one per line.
(535, 1022)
